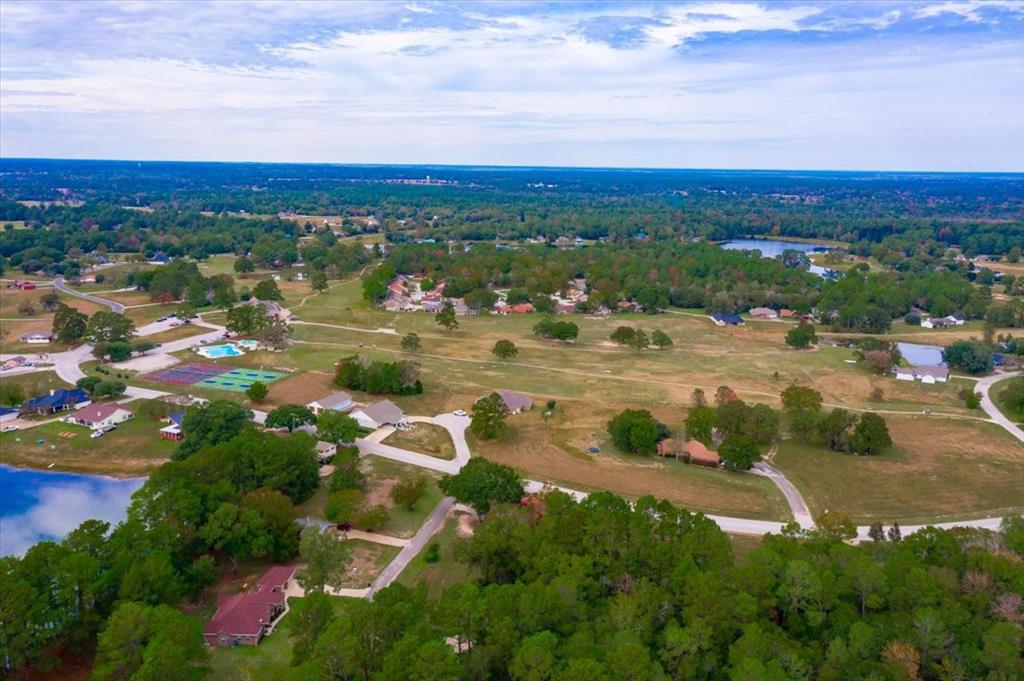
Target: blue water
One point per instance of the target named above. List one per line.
(218, 351)
(921, 355)
(770, 248)
(39, 505)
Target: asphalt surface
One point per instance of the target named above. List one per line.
(59, 284)
(797, 505)
(984, 387)
(427, 530)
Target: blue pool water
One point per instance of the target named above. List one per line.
(218, 351)
(770, 248)
(40, 505)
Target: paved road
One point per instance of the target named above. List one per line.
(59, 284)
(427, 530)
(984, 387)
(797, 505)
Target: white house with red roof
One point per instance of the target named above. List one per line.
(101, 416)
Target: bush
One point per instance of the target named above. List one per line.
(372, 519)
(636, 431)
(257, 392)
(109, 388)
(971, 356)
(433, 553)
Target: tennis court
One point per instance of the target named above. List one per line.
(239, 380)
(188, 374)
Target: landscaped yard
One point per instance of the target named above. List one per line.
(425, 438)
(942, 468)
(134, 448)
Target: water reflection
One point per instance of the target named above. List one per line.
(38, 505)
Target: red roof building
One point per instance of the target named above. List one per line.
(245, 618)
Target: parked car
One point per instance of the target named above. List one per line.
(459, 412)
(8, 429)
(97, 433)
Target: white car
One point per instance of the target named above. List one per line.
(8, 429)
(97, 433)
(459, 412)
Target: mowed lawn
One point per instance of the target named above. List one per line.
(447, 571)
(381, 476)
(425, 438)
(938, 469)
(134, 448)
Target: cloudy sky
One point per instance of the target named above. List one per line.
(872, 85)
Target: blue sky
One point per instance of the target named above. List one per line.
(930, 85)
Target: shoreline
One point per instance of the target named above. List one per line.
(93, 473)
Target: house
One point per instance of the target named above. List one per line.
(786, 313)
(101, 416)
(565, 308)
(500, 307)
(325, 450)
(521, 308)
(22, 285)
(763, 313)
(159, 258)
(668, 447)
(695, 452)
(939, 322)
(432, 305)
(515, 402)
(925, 374)
(245, 618)
(8, 414)
(173, 431)
(13, 363)
(378, 414)
(271, 308)
(339, 401)
(726, 319)
(60, 399)
(36, 338)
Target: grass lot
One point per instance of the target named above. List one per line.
(271, 659)
(382, 475)
(445, 572)
(174, 333)
(134, 448)
(1016, 415)
(936, 470)
(365, 562)
(35, 383)
(425, 438)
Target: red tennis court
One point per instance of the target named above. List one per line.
(188, 374)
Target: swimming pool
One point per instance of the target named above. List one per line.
(219, 351)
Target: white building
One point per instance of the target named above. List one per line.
(339, 401)
(379, 414)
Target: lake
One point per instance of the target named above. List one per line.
(37, 505)
(771, 248)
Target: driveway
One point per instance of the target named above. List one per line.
(983, 388)
(59, 284)
(427, 530)
(797, 505)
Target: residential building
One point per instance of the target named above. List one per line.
(37, 338)
(325, 450)
(100, 416)
(763, 313)
(925, 374)
(13, 363)
(379, 414)
(245, 618)
(8, 414)
(173, 431)
(515, 402)
(521, 308)
(727, 319)
(270, 307)
(60, 399)
(695, 452)
(339, 401)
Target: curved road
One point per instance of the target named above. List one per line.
(983, 387)
(59, 284)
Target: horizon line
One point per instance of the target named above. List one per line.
(496, 166)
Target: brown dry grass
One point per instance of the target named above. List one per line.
(366, 560)
(300, 388)
(425, 438)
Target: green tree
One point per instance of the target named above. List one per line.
(834, 429)
(318, 282)
(239, 533)
(971, 356)
(623, 335)
(801, 336)
(257, 391)
(797, 398)
(870, 435)
(141, 346)
(69, 325)
(738, 452)
(836, 525)
(336, 427)
(148, 644)
(267, 289)
(489, 417)
(446, 317)
(343, 505)
(245, 319)
(244, 266)
(481, 483)
(211, 423)
(408, 492)
(109, 388)
(325, 557)
(109, 327)
(290, 416)
(309, 623)
(700, 422)
(118, 351)
(278, 519)
(411, 343)
(640, 340)
(372, 519)
(636, 431)
(660, 339)
(505, 349)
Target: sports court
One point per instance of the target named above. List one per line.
(239, 380)
(213, 376)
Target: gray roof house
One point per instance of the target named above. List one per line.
(516, 402)
(339, 401)
(383, 413)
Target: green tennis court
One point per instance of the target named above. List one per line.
(239, 380)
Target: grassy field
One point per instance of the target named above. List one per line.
(271, 659)
(447, 571)
(425, 438)
(365, 561)
(382, 475)
(134, 448)
(998, 397)
(35, 383)
(939, 469)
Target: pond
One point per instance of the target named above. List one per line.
(921, 355)
(771, 248)
(39, 505)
